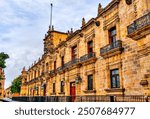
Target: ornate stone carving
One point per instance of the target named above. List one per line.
(99, 9)
(48, 46)
(111, 22)
(83, 22)
(90, 35)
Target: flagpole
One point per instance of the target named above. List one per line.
(51, 8)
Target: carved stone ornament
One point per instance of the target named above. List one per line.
(128, 2)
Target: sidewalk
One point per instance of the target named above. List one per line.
(7, 100)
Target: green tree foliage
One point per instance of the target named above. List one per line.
(3, 57)
(16, 85)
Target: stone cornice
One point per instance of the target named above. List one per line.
(108, 7)
(88, 23)
(73, 34)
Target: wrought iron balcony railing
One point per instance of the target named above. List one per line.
(74, 61)
(67, 65)
(52, 72)
(87, 56)
(138, 24)
(59, 69)
(111, 47)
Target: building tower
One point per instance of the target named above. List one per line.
(2, 81)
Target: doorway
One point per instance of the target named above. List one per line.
(72, 91)
(44, 90)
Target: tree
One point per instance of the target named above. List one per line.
(3, 57)
(16, 85)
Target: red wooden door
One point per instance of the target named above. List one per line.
(72, 91)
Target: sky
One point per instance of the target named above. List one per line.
(24, 23)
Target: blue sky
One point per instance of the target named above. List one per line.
(23, 24)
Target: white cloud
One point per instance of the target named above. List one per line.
(24, 23)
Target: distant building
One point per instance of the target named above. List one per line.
(108, 55)
(8, 92)
(2, 81)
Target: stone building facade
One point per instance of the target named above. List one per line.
(108, 55)
(2, 81)
(7, 92)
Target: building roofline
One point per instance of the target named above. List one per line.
(92, 20)
(108, 7)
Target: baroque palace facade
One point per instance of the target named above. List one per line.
(2, 81)
(108, 55)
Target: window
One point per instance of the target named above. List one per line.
(37, 90)
(43, 68)
(90, 82)
(62, 86)
(25, 80)
(74, 52)
(112, 35)
(0, 85)
(54, 88)
(35, 74)
(38, 72)
(47, 65)
(54, 65)
(90, 47)
(62, 61)
(115, 81)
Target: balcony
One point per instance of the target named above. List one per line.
(59, 69)
(52, 73)
(111, 49)
(73, 63)
(139, 28)
(88, 58)
(67, 65)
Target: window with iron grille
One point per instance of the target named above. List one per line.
(90, 82)
(115, 80)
